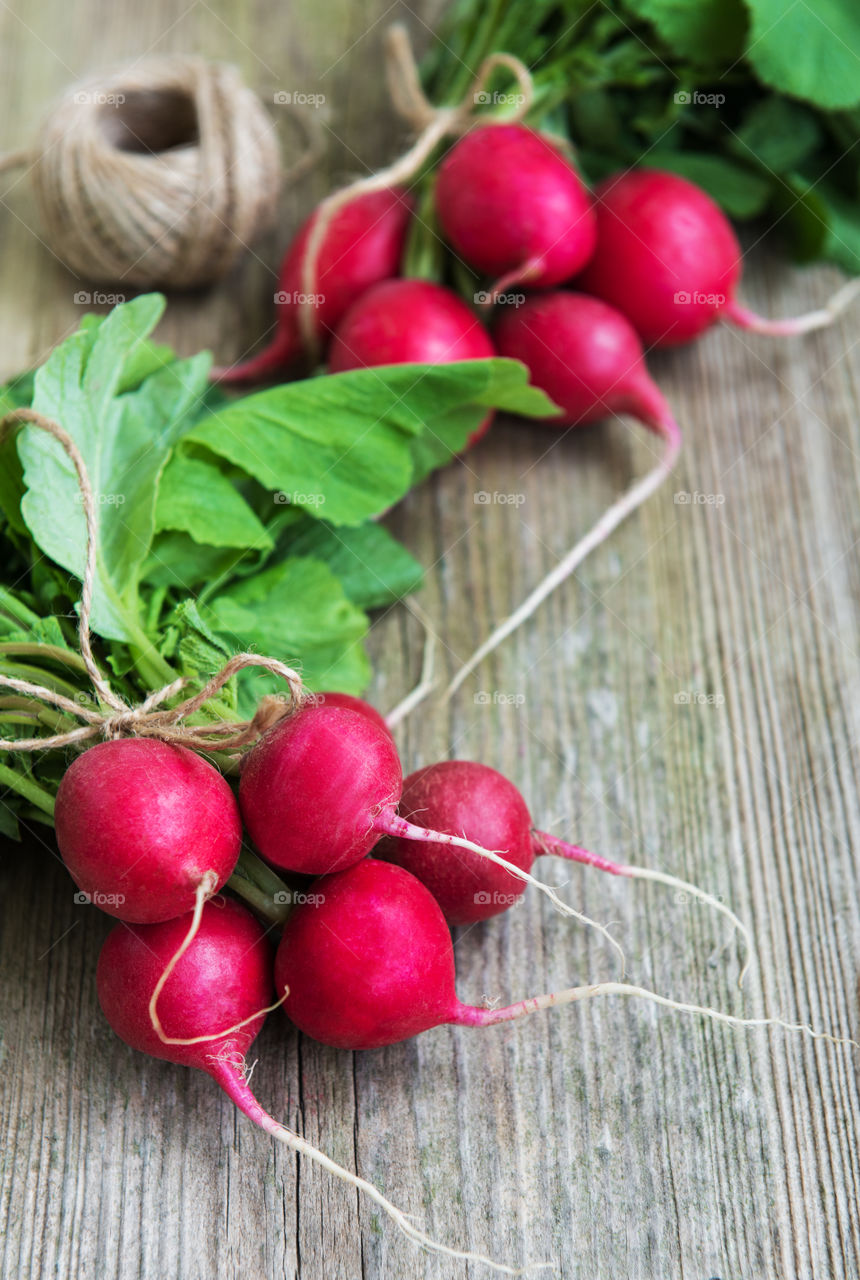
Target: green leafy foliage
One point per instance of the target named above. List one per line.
(809, 51)
(703, 32)
(372, 566)
(758, 101)
(197, 498)
(125, 440)
(342, 446)
(296, 607)
(778, 134)
(222, 525)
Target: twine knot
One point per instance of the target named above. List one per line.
(119, 724)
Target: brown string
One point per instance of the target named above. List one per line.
(434, 123)
(160, 173)
(150, 719)
(15, 160)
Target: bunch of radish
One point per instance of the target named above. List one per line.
(645, 258)
(366, 959)
(151, 832)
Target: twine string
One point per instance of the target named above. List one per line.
(158, 173)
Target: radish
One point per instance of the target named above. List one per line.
(223, 978)
(352, 703)
(409, 322)
(319, 789)
(362, 245)
(212, 977)
(369, 962)
(514, 208)
(668, 259)
(142, 824)
(587, 358)
(466, 798)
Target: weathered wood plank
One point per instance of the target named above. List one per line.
(610, 1137)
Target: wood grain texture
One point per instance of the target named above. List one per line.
(611, 1138)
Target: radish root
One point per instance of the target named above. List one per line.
(232, 1081)
(734, 313)
(391, 824)
(205, 889)
(611, 518)
(543, 842)
(469, 1015)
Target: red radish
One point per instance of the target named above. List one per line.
(588, 359)
(211, 1007)
(319, 789)
(352, 703)
(369, 962)
(466, 798)
(513, 207)
(459, 797)
(224, 977)
(141, 824)
(668, 259)
(310, 789)
(362, 245)
(409, 322)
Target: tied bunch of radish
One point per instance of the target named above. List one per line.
(575, 283)
(151, 832)
(158, 837)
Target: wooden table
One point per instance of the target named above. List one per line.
(691, 700)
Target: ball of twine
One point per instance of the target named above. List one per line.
(158, 174)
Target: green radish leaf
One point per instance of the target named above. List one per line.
(147, 357)
(17, 394)
(809, 51)
(779, 134)
(19, 623)
(436, 446)
(176, 561)
(804, 218)
(125, 441)
(212, 399)
(842, 241)
(374, 569)
(739, 190)
(201, 651)
(144, 359)
(706, 31)
(197, 498)
(508, 389)
(340, 445)
(295, 610)
(820, 222)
